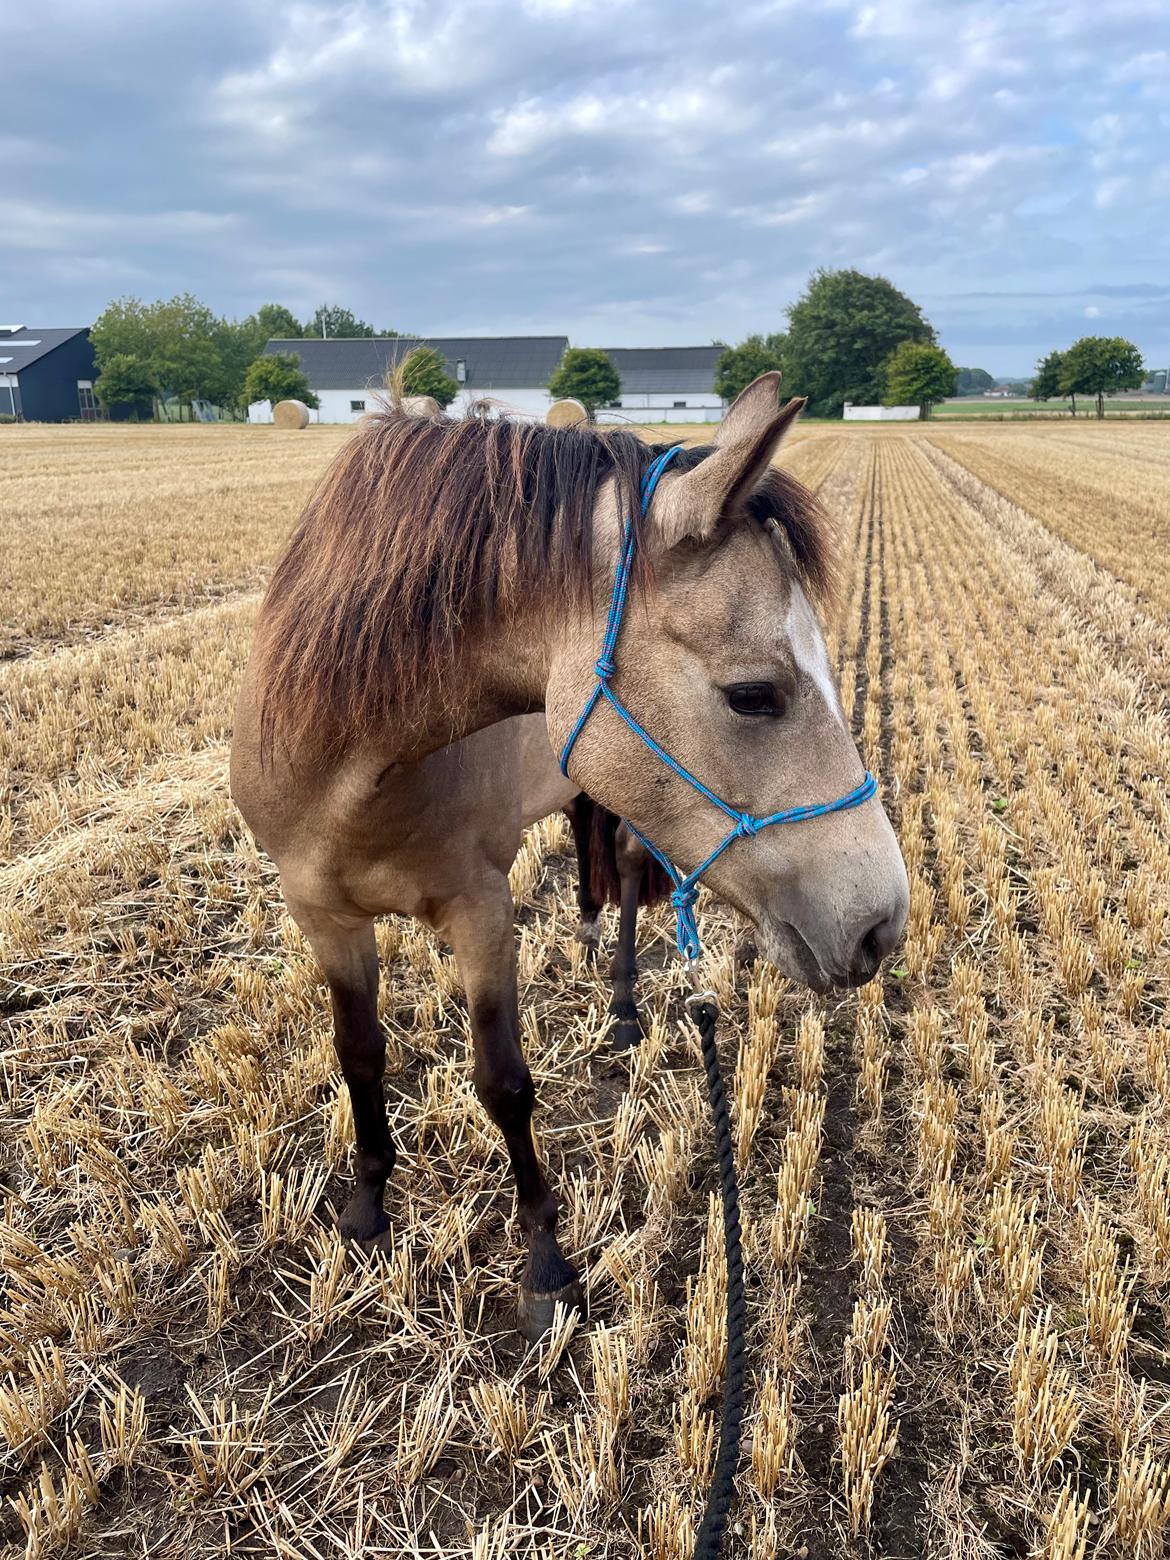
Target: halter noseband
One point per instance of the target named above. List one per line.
(686, 889)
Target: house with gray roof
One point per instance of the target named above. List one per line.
(346, 372)
(46, 374)
(666, 384)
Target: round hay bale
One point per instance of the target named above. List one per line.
(421, 406)
(290, 414)
(566, 414)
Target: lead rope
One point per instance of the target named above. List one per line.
(709, 1543)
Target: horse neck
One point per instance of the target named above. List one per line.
(502, 672)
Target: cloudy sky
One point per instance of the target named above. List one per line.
(630, 174)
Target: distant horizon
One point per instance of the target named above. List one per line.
(411, 335)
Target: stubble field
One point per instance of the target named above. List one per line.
(956, 1182)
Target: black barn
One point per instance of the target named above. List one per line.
(46, 375)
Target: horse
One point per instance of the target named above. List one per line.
(425, 647)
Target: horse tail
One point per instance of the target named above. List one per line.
(604, 878)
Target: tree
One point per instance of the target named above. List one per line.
(1101, 366)
(423, 373)
(126, 382)
(918, 374)
(840, 334)
(588, 376)
(176, 340)
(278, 377)
(973, 381)
(738, 366)
(276, 323)
(1047, 384)
(332, 320)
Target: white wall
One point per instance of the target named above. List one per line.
(335, 404)
(880, 413)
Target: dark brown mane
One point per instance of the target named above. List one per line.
(425, 529)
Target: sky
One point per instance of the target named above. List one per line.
(624, 173)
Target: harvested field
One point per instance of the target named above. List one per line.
(956, 1182)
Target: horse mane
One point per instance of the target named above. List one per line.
(427, 529)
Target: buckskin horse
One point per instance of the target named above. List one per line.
(448, 575)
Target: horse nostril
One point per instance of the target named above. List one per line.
(876, 942)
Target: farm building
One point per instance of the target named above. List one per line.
(346, 371)
(46, 375)
(666, 384)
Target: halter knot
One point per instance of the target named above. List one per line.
(686, 931)
(747, 826)
(604, 667)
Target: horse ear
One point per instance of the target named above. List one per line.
(747, 439)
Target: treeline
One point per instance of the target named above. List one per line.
(853, 337)
(1094, 366)
(850, 337)
(178, 348)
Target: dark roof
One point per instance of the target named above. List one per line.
(493, 362)
(646, 370)
(41, 343)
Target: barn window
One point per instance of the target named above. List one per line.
(357, 406)
(680, 403)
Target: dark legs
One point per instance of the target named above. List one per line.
(348, 955)
(481, 933)
(631, 863)
(580, 811)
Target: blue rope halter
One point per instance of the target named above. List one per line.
(686, 889)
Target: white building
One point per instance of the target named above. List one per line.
(347, 371)
(665, 384)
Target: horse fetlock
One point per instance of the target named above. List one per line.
(588, 933)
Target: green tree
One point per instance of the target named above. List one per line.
(840, 334)
(1101, 366)
(973, 381)
(123, 329)
(585, 374)
(332, 320)
(177, 339)
(424, 373)
(918, 374)
(738, 366)
(278, 377)
(276, 323)
(1046, 386)
(126, 383)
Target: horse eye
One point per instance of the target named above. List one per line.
(753, 699)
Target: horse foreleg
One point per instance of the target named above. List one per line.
(481, 932)
(580, 813)
(631, 863)
(348, 955)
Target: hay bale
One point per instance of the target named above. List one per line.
(290, 414)
(421, 406)
(566, 414)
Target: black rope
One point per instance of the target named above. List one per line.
(709, 1544)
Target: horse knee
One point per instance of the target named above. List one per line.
(507, 1097)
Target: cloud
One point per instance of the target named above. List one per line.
(479, 165)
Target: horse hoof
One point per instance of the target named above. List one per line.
(382, 1242)
(535, 1309)
(627, 1033)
